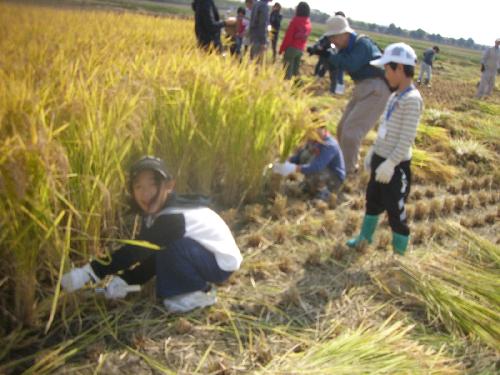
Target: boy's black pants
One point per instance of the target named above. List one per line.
(390, 197)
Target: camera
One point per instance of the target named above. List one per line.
(321, 47)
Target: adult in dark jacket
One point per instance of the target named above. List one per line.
(258, 29)
(370, 92)
(275, 21)
(207, 24)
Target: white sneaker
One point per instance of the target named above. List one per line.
(189, 301)
(339, 89)
(78, 277)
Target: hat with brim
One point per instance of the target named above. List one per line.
(399, 53)
(497, 40)
(337, 25)
(150, 163)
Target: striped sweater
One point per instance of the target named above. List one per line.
(398, 128)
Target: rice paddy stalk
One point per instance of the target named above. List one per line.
(430, 166)
(373, 350)
(459, 287)
(91, 91)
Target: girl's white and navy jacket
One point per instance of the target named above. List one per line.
(201, 224)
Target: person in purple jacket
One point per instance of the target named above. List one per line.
(321, 162)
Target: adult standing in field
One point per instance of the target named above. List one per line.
(370, 91)
(490, 67)
(426, 65)
(207, 24)
(258, 30)
(275, 21)
(295, 40)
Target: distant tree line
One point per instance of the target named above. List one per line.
(321, 17)
(392, 29)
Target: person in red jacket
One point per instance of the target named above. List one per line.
(295, 40)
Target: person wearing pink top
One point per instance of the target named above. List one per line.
(295, 40)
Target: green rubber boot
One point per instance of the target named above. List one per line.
(399, 243)
(367, 230)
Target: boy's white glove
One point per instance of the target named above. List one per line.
(116, 288)
(285, 168)
(384, 172)
(368, 160)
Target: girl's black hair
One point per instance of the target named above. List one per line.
(408, 69)
(241, 10)
(133, 206)
(303, 10)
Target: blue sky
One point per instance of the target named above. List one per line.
(478, 19)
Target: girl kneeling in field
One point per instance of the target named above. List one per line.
(196, 246)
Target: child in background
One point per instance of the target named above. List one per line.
(320, 161)
(196, 246)
(241, 28)
(390, 157)
(295, 40)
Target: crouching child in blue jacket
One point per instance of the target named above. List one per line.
(320, 161)
(196, 246)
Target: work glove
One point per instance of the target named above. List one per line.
(116, 288)
(285, 168)
(482, 68)
(368, 160)
(77, 278)
(384, 172)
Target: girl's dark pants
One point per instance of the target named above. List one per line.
(184, 266)
(390, 197)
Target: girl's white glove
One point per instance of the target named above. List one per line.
(116, 288)
(384, 172)
(77, 278)
(285, 168)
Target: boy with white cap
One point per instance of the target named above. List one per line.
(370, 90)
(490, 65)
(390, 157)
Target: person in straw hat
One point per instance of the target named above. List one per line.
(370, 88)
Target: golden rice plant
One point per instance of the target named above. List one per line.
(432, 136)
(471, 150)
(429, 166)
(371, 349)
(88, 92)
(457, 287)
(437, 117)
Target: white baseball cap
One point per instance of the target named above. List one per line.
(400, 53)
(497, 40)
(337, 25)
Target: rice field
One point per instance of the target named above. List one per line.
(83, 92)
